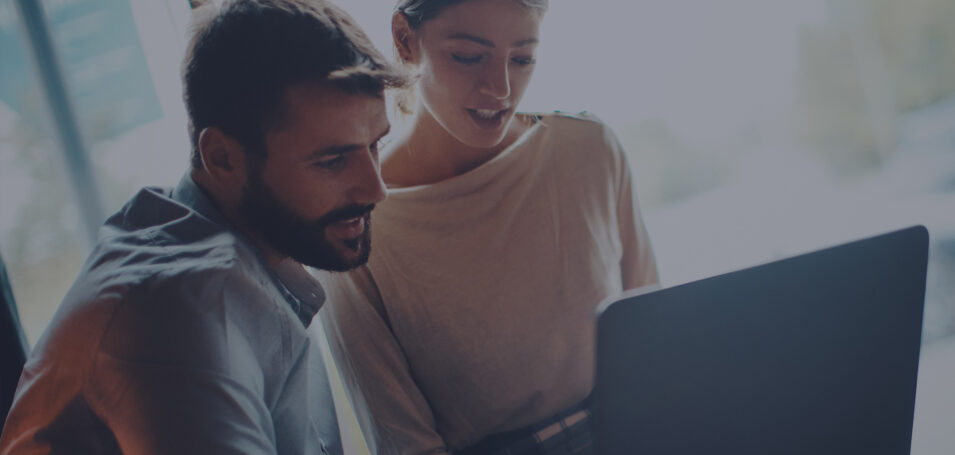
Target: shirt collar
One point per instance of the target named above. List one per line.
(297, 286)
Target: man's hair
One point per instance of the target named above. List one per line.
(244, 54)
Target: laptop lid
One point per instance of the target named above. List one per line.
(814, 354)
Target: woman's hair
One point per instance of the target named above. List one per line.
(420, 11)
(417, 12)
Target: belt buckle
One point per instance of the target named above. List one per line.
(555, 428)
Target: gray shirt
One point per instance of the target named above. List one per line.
(177, 338)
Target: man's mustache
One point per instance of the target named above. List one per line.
(345, 213)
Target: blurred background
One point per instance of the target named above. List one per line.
(756, 129)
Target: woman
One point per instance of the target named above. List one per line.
(471, 329)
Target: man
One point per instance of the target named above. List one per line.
(186, 330)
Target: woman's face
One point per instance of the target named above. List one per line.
(475, 60)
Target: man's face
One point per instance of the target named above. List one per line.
(311, 196)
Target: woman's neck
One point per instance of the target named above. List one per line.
(428, 153)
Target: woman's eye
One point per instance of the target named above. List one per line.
(524, 61)
(466, 59)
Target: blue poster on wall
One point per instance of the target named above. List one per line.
(102, 59)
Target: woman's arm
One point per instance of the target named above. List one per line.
(638, 265)
(393, 414)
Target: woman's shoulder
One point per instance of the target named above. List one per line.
(576, 130)
(583, 119)
(572, 124)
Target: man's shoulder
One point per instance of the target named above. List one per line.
(157, 241)
(141, 302)
(189, 305)
(130, 283)
(158, 269)
(160, 266)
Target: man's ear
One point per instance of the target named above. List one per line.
(403, 35)
(223, 163)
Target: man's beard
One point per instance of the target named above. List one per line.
(303, 240)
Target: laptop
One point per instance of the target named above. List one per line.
(814, 354)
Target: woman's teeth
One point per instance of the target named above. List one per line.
(486, 113)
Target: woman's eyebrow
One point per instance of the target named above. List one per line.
(484, 42)
(469, 37)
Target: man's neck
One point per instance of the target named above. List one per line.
(230, 211)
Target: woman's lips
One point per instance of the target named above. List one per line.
(488, 118)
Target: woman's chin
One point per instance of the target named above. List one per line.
(479, 136)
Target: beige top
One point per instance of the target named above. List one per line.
(475, 313)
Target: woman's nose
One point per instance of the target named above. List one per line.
(496, 81)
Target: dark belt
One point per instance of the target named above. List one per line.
(526, 438)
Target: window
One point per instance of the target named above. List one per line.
(120, 62)
(756, 129)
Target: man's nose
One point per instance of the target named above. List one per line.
(368, 187)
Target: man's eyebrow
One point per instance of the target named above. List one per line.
(344, 148)
(484, 42)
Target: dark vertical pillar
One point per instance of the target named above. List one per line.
(36, 27)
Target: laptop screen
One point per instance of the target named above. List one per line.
(814, 354)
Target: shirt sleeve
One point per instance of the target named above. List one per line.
(638, 264)
(162, 409)
(392, 412)
(173, 375)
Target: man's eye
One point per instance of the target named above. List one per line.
(331, 161)
(466, 59)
